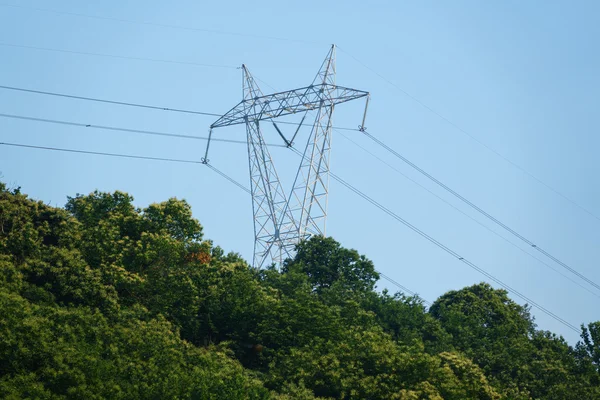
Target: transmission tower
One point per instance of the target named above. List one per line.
(280, 221)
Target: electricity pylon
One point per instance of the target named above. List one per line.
(280, 221)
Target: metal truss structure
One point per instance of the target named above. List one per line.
(280, 221)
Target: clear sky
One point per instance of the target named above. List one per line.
(521, 77)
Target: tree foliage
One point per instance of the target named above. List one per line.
(103, 299)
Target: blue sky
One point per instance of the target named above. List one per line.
(520, 77)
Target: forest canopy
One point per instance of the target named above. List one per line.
(105, 300)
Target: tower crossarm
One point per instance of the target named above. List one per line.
(289, 102)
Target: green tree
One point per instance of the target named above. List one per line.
(490, 328)
(590, 342)
(325, 262)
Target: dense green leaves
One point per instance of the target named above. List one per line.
(499, 335)
(103, 299)
(591, 342)
(326, 263)
(78, 353)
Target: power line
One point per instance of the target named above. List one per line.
(453, 253)
(480, 210)
(447, 249)
(113, 128)
(403, 288)
(469, 216)
(489, 148)
(353, 189)
(129, 104)
(98, 153)
(187, 28)
(117, 56)
(120, 103)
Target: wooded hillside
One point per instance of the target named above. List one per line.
(103, 300)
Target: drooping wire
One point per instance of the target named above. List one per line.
(489, 148)
(99, 153)
(113, 128)
(468, 216)
(347, 185)
(156, 60)
(447, 249)
(136, 157)
(481, 211)
(403, 288)
(120, 103)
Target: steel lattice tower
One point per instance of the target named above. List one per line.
(280, 221)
